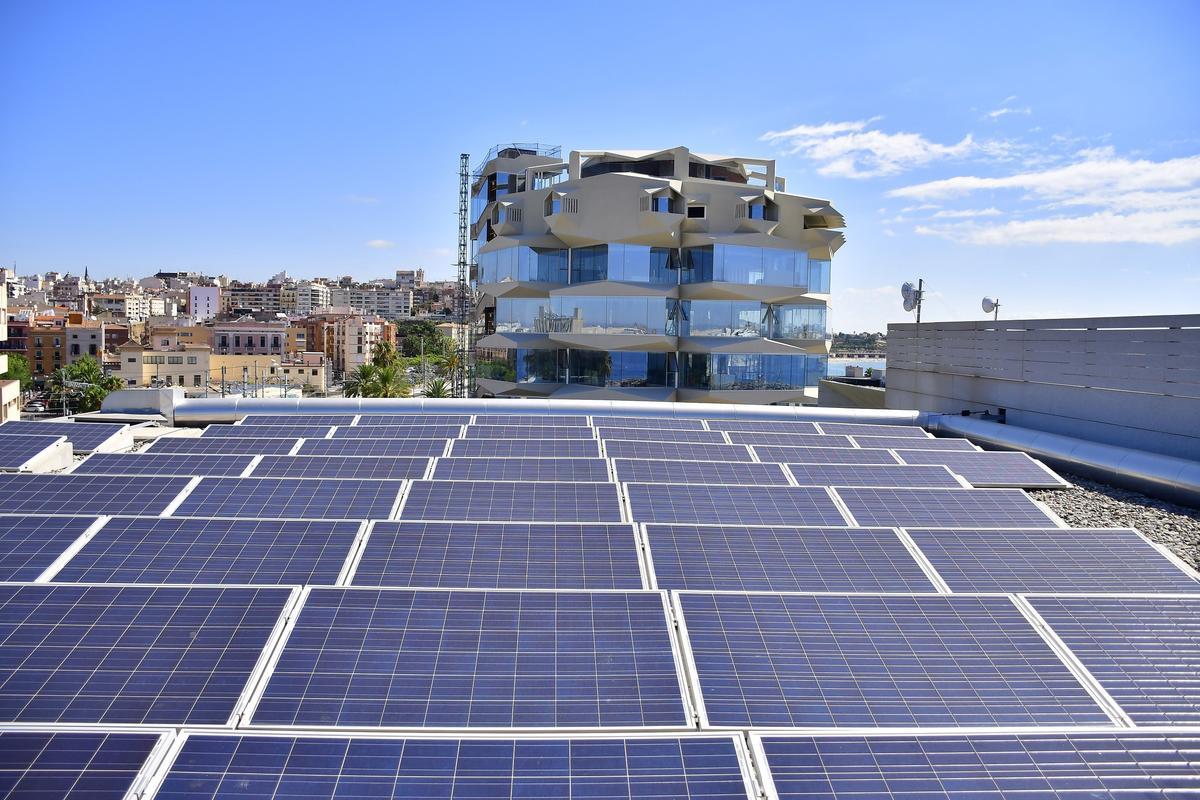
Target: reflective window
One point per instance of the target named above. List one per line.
(750, 371)
(739, 264)
(818, 275)
(525, 315)
(625, 262)
(520, 365)
(523, 264)
(721, 318)
(599, 368)
(797, 322)
(612, 315)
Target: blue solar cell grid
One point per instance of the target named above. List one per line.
(789, 439)
(290, 498)
(210, 551)
(167, 464)
(914, 443)
(500, 555)
(460, 659)
(866, 429)
(873, 475)
(223, 446)
(399, 432)
(732, 505)
(679, 451)
(276, 431)
(944, 508)
(525, 448)
(521, 469)
(503, 501)
(988, 469)
(733, 558)
(414, 419)
(1045, 766)
(17, 450)
(87, 494)
(372, 447)
(1144, 651)
(370, 467)
(28, 545)
(762, 426)
(661, 423)
(83, 436)
(553, 420)
(778, 660)
(528, 432)
(823, 455)
(657, 435)
(297, 419)
(635, 470)
(324, 768)
(151, 655)
(71, 765)
(1034, 560)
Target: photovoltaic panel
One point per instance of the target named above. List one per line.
(414, 419)
(557, 420)
(528, 432)
(130, 654)
(28, 545)
(222, 446)
(71, 765)
(1144, 651)
(286, 420)
(991, 469)
(158, 550)
(790, 439)
(87, 494)
(660, 435)
(385, 448)
(726, 557)
(525, 448)
(500, 555)
(175, 464)
(512, 501)
(872, 475)
(762, 426)
(324, 768)
(17, 450)
(913, 443)
(83, 436)
(661, 423)
(1034, 560)
(867, 429)
(823, 455)
(341, 467)
(1045, 766)
(492, 659)
(945, 508)
(779, 660)
(521, 469)
(290, 498)
(638, 470)
(399, 432)
(677, 451)
(732, 505)
(277, 431)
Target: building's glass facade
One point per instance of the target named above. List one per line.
(750, 370)
(534, 264)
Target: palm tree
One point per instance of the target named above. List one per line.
(370, 380)
(385, 355)
(436, 388)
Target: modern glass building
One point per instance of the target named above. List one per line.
(666, 275)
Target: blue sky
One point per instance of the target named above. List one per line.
(1044, 153)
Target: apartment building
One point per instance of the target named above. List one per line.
(638, 274)
(175, 337)
(250, 337)
(302, 298)
(204, 302)
(10, 391)
(384, 302)
(133, 307)
(199, 370)
(253, 297)
(410, 279)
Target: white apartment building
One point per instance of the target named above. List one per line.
(410, 279)
(302, 298)
(204, 302)
(354, 339)
(390, 303)
(134, 307)
(10, 391)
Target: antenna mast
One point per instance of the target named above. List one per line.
(462, 300)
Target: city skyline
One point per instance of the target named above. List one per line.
(232, 140)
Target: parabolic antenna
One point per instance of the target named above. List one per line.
(989, 305)
(909, 303)
(908, 292)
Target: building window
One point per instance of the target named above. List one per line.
(174, 359)
(195, 380)
(131, 360)
(191, 359)
(695, 212)
(314, 372)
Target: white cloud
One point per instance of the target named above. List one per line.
(1103, 227)
(968, 212)
(381, 244)
(851, 150)
(1000, 112)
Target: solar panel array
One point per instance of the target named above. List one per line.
(554, 605)
(84, 437)
(17, 450)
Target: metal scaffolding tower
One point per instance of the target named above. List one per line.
(464, 375)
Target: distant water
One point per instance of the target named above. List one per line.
(837, 366)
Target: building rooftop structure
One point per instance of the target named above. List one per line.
(548, 598)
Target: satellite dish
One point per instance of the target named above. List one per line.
(907, 291)
(909, 303)
(989, 305)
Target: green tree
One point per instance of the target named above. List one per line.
(81, 386)
(411, 333)
(18, 370)
(436, 388)
(370, 380)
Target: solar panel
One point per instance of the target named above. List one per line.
(1034, 560)
(877, 661)
(340, 467)
(491, 659)
(324, 768)
(290, 498)
(657, 435)
(522, 469)
(661, 423)
(790, 439)
(525, 448)
(399, 432)
(531, 419)
(733, 505)
(913, 443)
(945, 508)
(286, 420)
(725, 557)
(1045, 766)
(222, 446)
(824, 455)
(71, 765)
(28, 545)
(867, 429)
(677, 451)
(989, 469)
(162, 464)
(762, 426)
(150, 550)
(872, 475)
(276, 431)
(414, 419)
(1144, 651)
(87, 494)
(528, 432)
(512, 501)
(17, 450)
(638, 470)
(500, 555)
(131, 654)
(83, 436)
(372, 447)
